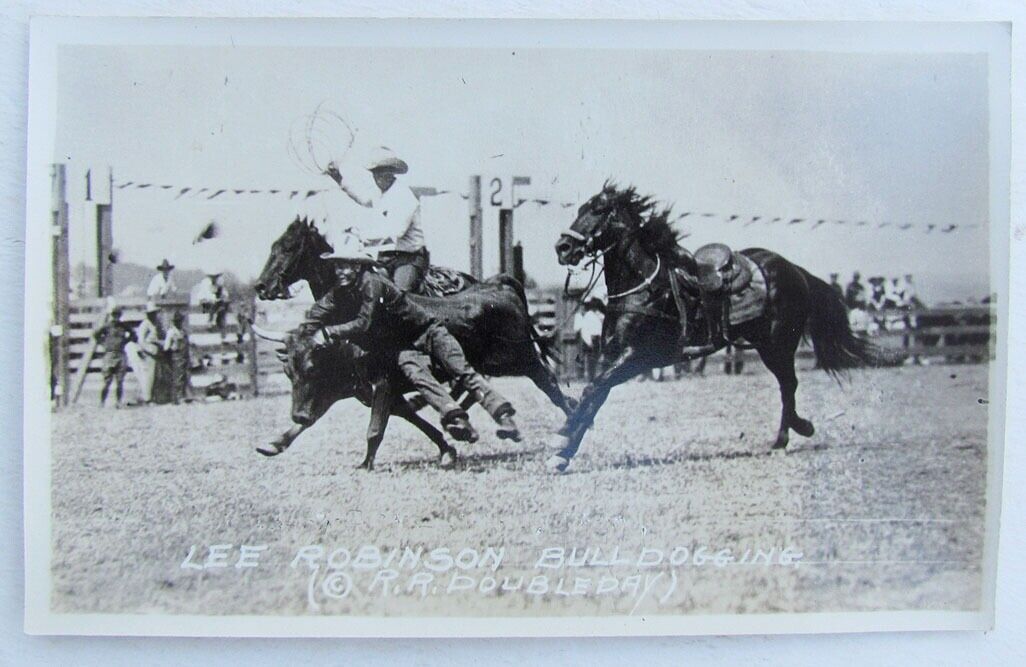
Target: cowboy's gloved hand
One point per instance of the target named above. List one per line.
(332, 171)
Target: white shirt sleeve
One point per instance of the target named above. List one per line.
(393, 212)
(156, 285)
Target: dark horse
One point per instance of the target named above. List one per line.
(642, 329)
(296, 255)
(490, 319)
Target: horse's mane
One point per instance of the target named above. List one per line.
(650, 220)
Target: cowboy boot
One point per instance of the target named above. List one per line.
(713, 310)
(459, 427)
(507, 427)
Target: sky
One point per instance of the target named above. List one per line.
(882, 138)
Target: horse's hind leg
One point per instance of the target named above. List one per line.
(780, 362)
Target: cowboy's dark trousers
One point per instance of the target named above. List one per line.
(437, 344)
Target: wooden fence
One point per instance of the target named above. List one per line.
(227, 353)
(949, 334)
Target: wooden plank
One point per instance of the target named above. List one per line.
(937, 331)
(83, 368)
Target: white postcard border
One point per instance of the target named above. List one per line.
(48, 32)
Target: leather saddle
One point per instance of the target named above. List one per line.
(717, 269)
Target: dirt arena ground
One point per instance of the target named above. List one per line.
(675, 496)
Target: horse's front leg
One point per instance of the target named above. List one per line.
(627, 365)
(381, 408)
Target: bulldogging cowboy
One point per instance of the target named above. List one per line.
(386, 317)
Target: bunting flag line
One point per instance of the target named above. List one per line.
(811, 223)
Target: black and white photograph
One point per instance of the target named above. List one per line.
(429, 328)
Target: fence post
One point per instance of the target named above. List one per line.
(254, 361)
(476, 234)
(61, 281)
(506, 241)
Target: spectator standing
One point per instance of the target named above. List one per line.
(836, 286)
(162, 284)
(855, 293)
(149, 339)
(176, 347)
(114, 336)
(588, 325)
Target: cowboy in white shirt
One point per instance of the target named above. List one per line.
(397, 234)
(161, 284)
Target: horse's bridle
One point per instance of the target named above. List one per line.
(594, 255)
(291, 266)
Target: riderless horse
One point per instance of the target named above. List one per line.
(651, 322)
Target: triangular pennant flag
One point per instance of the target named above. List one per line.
(182, 192)
(219, 192)
(310, 193)
(143, 186)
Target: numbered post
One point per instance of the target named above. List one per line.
(476, 233)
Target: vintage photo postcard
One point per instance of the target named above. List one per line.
(485, 328)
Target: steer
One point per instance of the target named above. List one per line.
(323, 375)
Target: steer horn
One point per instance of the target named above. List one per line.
(266, 334)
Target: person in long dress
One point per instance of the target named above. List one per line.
(143, 353)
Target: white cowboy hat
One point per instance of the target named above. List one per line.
(349, 247)
(384, 158)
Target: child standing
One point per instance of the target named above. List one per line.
(113, 335)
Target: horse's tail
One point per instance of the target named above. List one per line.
(836, 346)
(543, 344)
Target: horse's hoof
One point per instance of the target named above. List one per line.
(557, 464)
(447, 459)
(369, 467)
(270, 450)
(803, 427)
